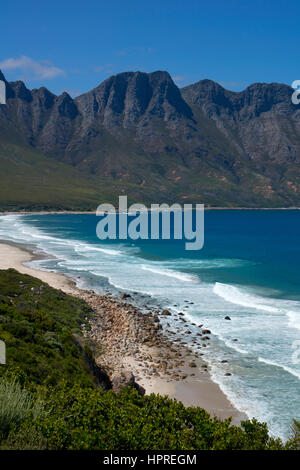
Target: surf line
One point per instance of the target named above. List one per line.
(139, 222)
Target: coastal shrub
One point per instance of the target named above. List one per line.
(296, 428)
(24, 438)
(82, 418)
(16, 404)
(37, 324)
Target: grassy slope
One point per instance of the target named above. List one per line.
(31, 181)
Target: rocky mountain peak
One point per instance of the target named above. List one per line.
(203, 142)
(127, 98)
(256, 99)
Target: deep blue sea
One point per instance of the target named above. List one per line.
(248, 269)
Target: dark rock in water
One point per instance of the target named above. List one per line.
(200, 326)
(227, 318)
(206, 332)
(166, 312)
(227, 374)
(224, 361)
(235, 339)
(125, 296)
(181, 313)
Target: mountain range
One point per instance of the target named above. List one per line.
(139, 134)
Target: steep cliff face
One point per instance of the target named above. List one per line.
(261, 120)
(201, 143)
(131, 99)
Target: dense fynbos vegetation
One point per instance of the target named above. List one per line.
(38, 325)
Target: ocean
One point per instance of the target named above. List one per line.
(249, 270)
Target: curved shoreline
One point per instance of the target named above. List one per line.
(160, 365)
(206, 208)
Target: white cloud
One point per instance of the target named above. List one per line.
(30, 68)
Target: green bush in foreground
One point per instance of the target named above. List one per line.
(84, 418)
(37, 324)
(15, 405)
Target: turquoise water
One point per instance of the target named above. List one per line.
(248, 269)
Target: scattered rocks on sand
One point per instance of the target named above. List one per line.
(128, 343)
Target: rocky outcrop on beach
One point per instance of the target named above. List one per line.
(133, 346)
(125, 379)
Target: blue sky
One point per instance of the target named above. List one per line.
(75, 45)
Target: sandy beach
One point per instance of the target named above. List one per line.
(159, 365)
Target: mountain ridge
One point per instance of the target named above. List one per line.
(200, 143)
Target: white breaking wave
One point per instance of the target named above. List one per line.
(15, 229)
(235, 296)
(210, 263)
(281, 366)
(290, 308)
(294, 319)
(175, 274)
(80, 248)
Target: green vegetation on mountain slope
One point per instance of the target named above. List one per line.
(30, 181)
